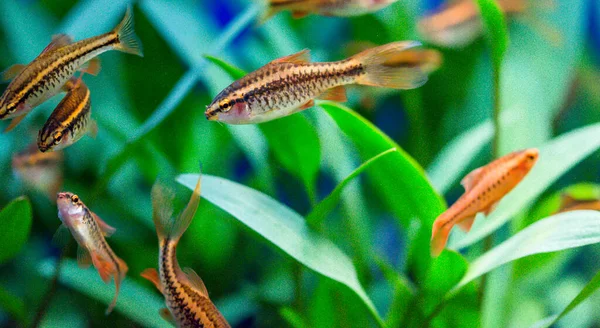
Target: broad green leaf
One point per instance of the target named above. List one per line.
(445, 272)
(400, 181)
(293, 318)
(236, 73)
(13, 306)
(558, 232)
(15, 220)
(283, 228)
(403, 292)
(322, 209)
(454, 159)
(495, 26)
(556, 158)
(138, 303)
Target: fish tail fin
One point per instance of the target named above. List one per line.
(123, 268)
(439, 238)
(128, 40)
(166, 226)
(396, 65)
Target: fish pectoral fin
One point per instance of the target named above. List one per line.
(471, 179)
(309, 104)
(13, 124)
(152, 275)
(84, 259)
(92, 67)
(61, 236)
(467, 223)
(167, 315)
(105, 268)
(490, 209)
(195, 281)
(11, 72)
(106, 229)
(297, 14)
(335, 94)
(58, 40)
(93, 129)
(301, 57)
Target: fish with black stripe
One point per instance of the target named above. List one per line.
(46, 75)
(186, 296)
(90, 231)
(290, 84)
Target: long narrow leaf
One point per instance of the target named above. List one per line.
(15, 220)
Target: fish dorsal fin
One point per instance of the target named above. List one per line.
(106, 229)
(301, 57)
(11, 72)
(196, 281)
(567, 200)
(84, 259)
(58, 40)
(152, 275)
(471, 179)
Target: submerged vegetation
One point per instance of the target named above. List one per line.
(322, 217)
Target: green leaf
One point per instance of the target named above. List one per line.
(138, 303)
(15, 220)
(558, 232)
(400, 181)
(235, 72)
(585, 293)
(403, 292)
(322, 209)
(556, 158)
(13, 306)
(292, 317)
(454, 159)
(283, 228)
(445, 272)
(495, 26)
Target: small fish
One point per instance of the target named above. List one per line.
(46, 75)
(484, 188)
(185, 294)
(458, 23)
(40, 171)
(343, 8)
(70, 121)
(569, 203)
(290, 84)
(90, 231)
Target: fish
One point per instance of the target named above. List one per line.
(484, 188)
(290, 84)
(569, 203)
(70, 120)
(186, 296)
(458, 23)
(341, 8)
(46, 75)
(89, 230)
(40, 171)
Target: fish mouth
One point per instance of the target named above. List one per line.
(211, 115)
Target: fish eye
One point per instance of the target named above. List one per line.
(75, 199)
(57, 137)
(531, 157)
(225, 105)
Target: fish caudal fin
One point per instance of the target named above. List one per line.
(397, 65)
(166, 226)
(439, 238)
(128, 40)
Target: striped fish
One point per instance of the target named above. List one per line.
(484, 188)
(186, 296)
(40, 171)
(90, 231)
(71, 119)
(290, 84)
(343, 8)
(46, 75)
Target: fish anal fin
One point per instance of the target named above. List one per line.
(105, 268)
(92, 67)
(106, 229)
(335, 94)
(490, 208)
(195, 281)
(466, 223)
(58, 40)
(84, 259)
(308, 104)
(152, 275)
(11, 72)
(471, 179)
(297, 14)
(301, 57)
(167, 315)
(13, 124)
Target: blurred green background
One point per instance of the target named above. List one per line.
(150, 113)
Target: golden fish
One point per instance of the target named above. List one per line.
(71, 119)
(344, 8)
(40, 171)
(569, 203)
(185, 294)
(45, 76)
(484, 188)
(290, 84)
(90, 231)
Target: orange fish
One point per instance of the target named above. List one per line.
(186, 296)
(90, 231)
(484, 188)
(341, 8)
(569, 203)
